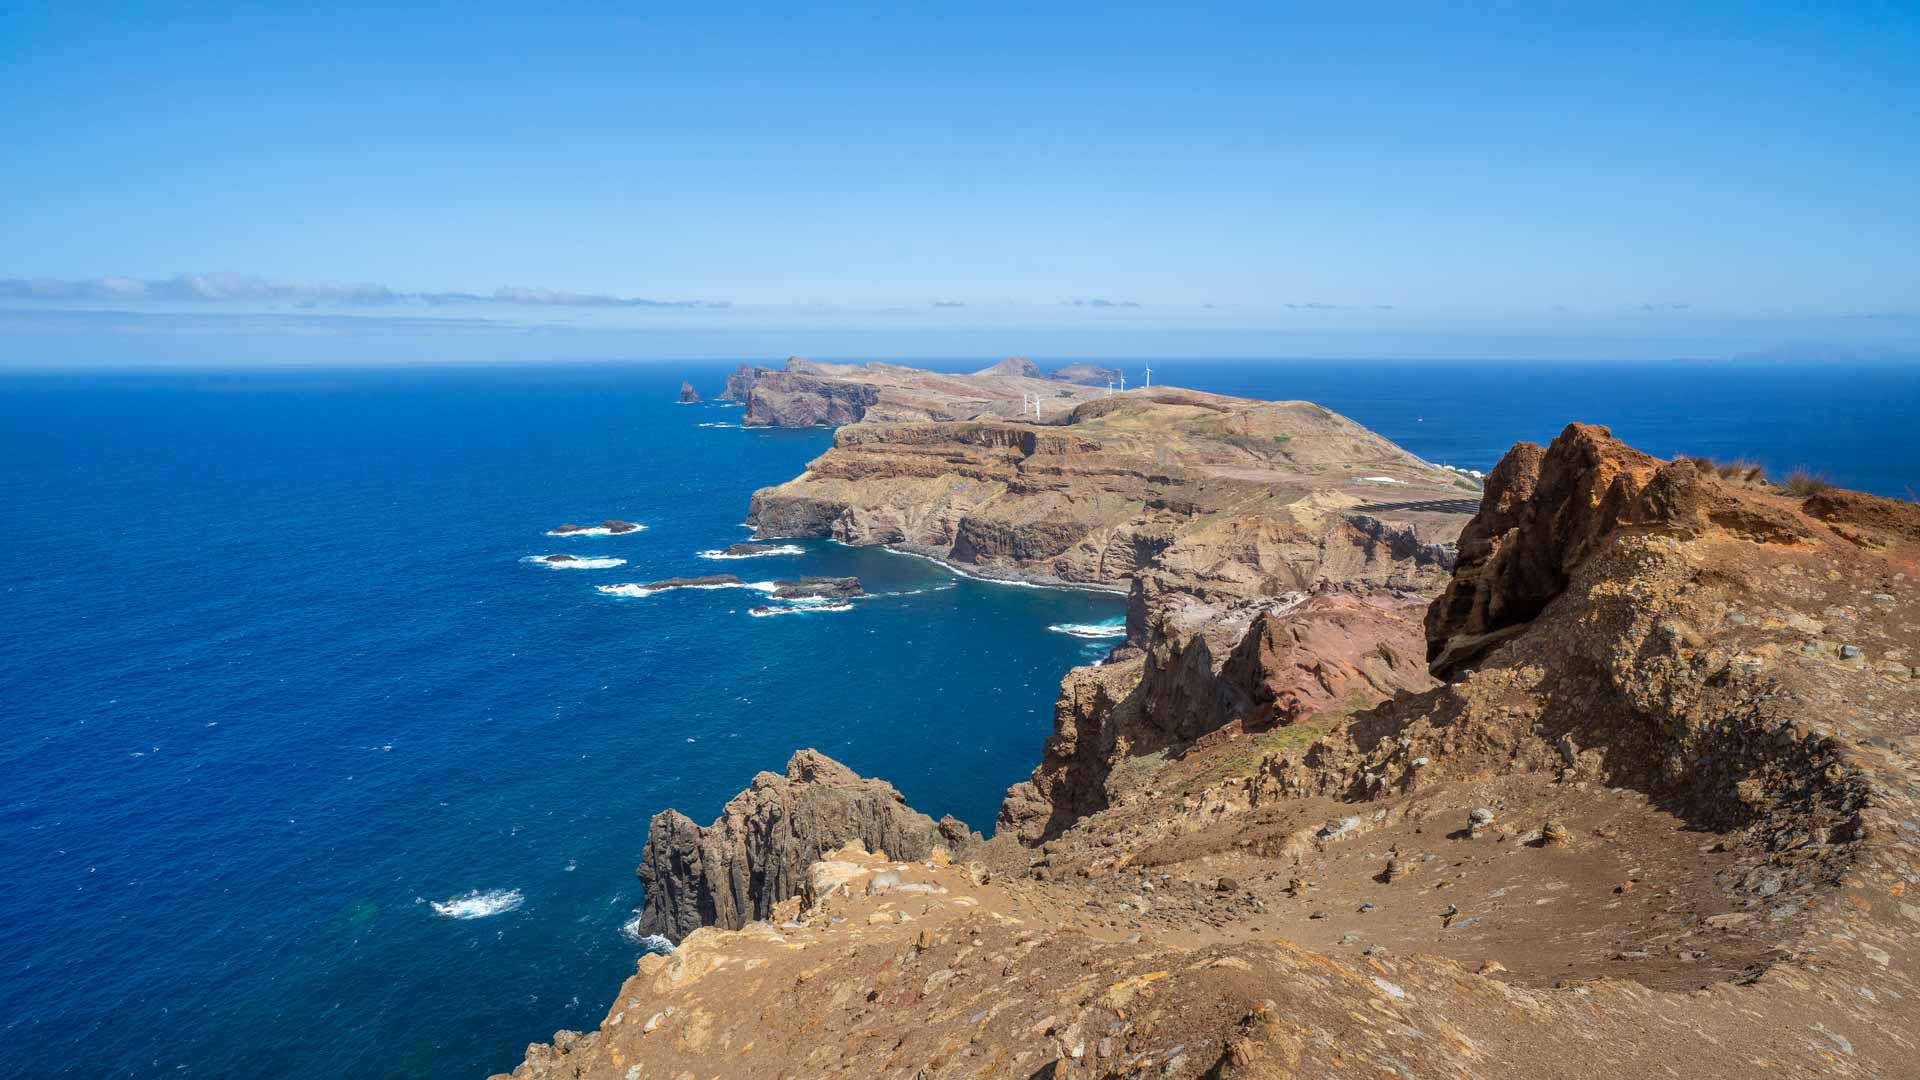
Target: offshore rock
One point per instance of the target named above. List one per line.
(756, 853)
(703, 581)
(818, 588)
(688, 395)
(614, 526)
(1085, 374)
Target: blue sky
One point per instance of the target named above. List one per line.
(213, 184)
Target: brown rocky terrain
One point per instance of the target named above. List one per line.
(1220, 515)
(757, 853)
(1243, 497)
(688, 395)
(1660, 817)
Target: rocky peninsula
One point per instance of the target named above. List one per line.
(807, 393)
(1608, 767)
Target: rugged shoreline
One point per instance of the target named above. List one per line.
(1582, 775)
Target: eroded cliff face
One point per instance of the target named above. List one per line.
(756, 853)
(1663, 818)
(1218, 514)
(1248, 668)
(1242, 494)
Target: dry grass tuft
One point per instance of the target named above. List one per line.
(1737, 471)
(1804, 482)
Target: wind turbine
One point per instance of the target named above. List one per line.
(1149, 376)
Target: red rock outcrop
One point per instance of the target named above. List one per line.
(1544, 511)
(1264, 665)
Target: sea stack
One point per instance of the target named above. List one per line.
(688, 395)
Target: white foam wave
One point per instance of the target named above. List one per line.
(653, 943)
(783, 549)
(575, 564)
(1091, 630)
(801, 607)
(951, 568)
(942, 587)
(478, 904)
(638, 590)
(597, 530)
(716, 424)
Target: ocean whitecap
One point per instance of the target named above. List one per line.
(479, 904)
(778, 549)
(716, 424)
(800, 607)
(653, 943)
(1116, 629)
(574, 562)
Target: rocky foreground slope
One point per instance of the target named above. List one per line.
(1658, 819)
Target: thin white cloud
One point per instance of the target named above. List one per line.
(247, 288)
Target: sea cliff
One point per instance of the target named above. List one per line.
(1621, 780)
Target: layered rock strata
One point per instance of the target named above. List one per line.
(1249, 494)
(1661, 819)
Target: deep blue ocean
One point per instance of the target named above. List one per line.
(275, 677)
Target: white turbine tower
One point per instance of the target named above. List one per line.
(1149, 376)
